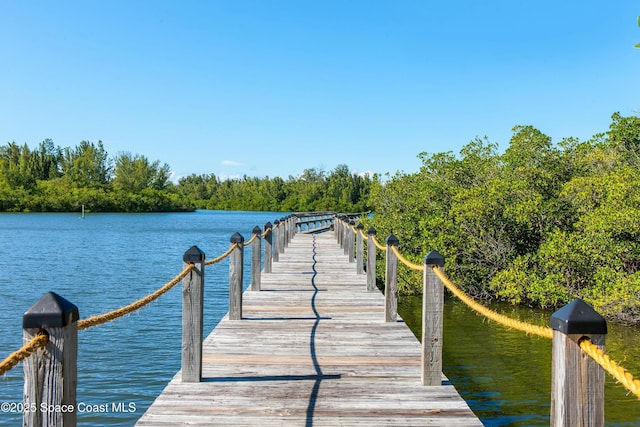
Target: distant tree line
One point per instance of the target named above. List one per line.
(538, 224)
(54, 179)
(315, 190)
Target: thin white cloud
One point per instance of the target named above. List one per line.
(231, 163)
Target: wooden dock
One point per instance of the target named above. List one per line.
(312, 349)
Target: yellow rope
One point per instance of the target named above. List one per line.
(378, 245)
(616, 371)
(39, 341)
(254, 237)
(223, 256)
(411, 265)
(541, 331)
(266, 231)
(136, 305)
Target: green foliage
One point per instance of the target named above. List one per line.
(51, 179)
(314, 190)
(62, 180)
(539, 224)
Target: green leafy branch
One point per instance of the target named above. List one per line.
(638, 45)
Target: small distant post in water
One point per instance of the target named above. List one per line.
(577, 385)
(391, 281)
(192, 315)
(432, 309)
(236, 262)
(50, 376)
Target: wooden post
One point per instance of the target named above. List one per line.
(236, 263)
(285, 236)
(432, 315)
(292, 228)
(345, 239)
(192, 316)
(352, 238)
(281, 235)
(255, 259)
(371, 260)
(391, 281)
(359, 249)
(50, 376)
(276, 239)
(577, 385)
(268, 244)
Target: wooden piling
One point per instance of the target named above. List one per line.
(391, 281)
(192, 316)
(50, 376)
(577, 386)
(256, 259)
(432, 316)
(236, 262)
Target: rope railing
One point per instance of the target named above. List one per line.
(378, 244)
(136, 305)
(540, 331)
(64, 329)
(623, 376)
(616, 371)
(221, 257)
(250, 241)
(405, 261)
(39, 341)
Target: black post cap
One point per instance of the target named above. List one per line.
(276, 222)
(434, 258)
(50, 311)
(236, 238)
(256, 230)
(268, 225)
(578, 317)
(193, 254)
(372, 231)
(360, 226)
(392, 240)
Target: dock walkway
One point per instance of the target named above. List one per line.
(312, 350)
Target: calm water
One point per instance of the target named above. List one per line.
(101, 263)
(108, 260)
(505, 375)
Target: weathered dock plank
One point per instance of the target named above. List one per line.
(312, 349)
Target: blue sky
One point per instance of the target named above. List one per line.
(270, 88)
